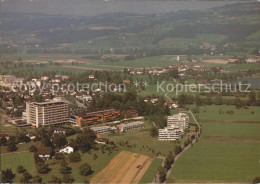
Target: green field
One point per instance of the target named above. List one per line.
(96, 165)
(142, 140)
(212, 112)
(11, 161)
(151, 171)
(227, 151)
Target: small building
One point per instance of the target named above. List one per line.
(91, 76)
(69, 148)
(128, 82)
(101, 129)
(44, 153)
(101, 141)
(130, 126)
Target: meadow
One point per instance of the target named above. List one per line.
(227, 151)
(11, 161)
(141, 141)
(151, 171)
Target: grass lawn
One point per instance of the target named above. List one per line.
(96, 165)
(227, 151)
(13, 160)
(142, 140)
(151, 171)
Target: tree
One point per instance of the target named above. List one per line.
(55, 179)
(85, 169)
(42, 168)
(177, 149)
(37, 179)
(162, 174)
(3, 141)
(7, 176)
(94, 156)
(65, 169)
(153, 132)
(198, 100)
(67, 178)
(74, 157)
(25, 177)
(20, 169)
(59, 140)
(85, 140)
(169, 161)
(33, 149)
(252, 96)
(256, 180)
(11, 146)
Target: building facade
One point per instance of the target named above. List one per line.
(130, 126)
(178, 120)
(101, 130)
(170, 134)
(101, 116)
(47, 113)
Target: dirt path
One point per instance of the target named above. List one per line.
(14, 152)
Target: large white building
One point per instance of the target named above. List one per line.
(176, 125)
(178, 120)
(170, 134)
(47, 113)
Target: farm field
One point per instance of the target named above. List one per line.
(151, 171)
(227, 151)
(212, 112)
(126, 167)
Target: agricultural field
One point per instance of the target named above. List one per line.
(227, 151)
(151, 171)
(126, 167)
(184, 43)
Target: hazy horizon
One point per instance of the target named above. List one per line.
(93, 8)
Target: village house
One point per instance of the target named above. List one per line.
(101, 141)
(44, 153)
(67, 149)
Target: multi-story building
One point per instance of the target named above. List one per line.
(170, 133)
(47, 113)
(100, 130)
(178, 120)
(97, 117)
(130, 126)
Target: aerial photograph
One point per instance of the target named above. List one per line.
(129, 91)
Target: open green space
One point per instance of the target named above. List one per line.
(219, 112)
(12, 160)
(151, 171)
(141, 141)
(227, 151)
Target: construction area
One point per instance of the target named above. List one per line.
(126, 167)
